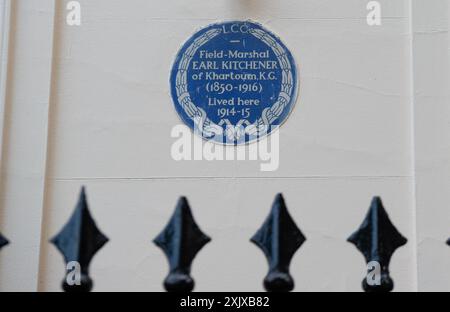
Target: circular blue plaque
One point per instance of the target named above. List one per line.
(234, 82)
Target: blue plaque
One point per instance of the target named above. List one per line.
(234, 82)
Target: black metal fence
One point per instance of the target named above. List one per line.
(279, 238)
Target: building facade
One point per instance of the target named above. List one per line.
(90, 105)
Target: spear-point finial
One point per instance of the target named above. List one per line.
(181, 240)
(377, 239)
(279, 238)
(3, 241)
(78, 242)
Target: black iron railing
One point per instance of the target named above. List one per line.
(279, 238)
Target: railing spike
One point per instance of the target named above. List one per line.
(78, 242)
(377, 239)
(279, 238)
(3, 241)
(181, 240)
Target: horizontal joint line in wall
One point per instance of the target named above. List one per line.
(228, 178)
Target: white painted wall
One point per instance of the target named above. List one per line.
(432, 120)
(24, 146)
(109, 111)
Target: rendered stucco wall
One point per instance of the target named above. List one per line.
(24, 142)
(109, 116)
(110, 129)
(432, 116)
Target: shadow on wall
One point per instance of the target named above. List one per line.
(246, 7)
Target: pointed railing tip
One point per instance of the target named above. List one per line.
(83, 196)
(78, 242)
(181, 240)
(3, 241)
(279, 238)
(377, 239)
